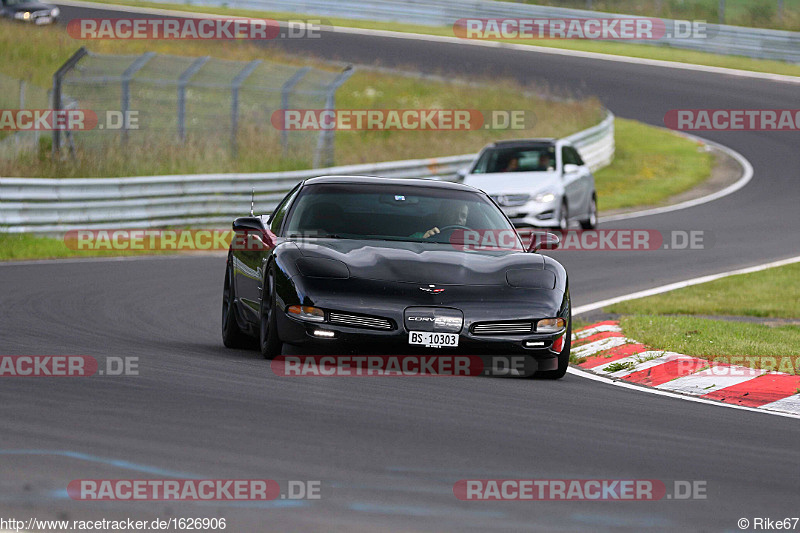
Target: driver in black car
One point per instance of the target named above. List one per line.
(453, 215)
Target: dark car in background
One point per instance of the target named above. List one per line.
(365, 263)
(29, 11)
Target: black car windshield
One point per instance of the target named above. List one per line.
(399, 213)
(516, 159)
(17, 2)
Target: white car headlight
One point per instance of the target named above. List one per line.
(22, 15)
(55, 12)
(544, 197)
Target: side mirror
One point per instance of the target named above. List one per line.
(543, 240)
(461, 173)
(571, 168)
(250, 234)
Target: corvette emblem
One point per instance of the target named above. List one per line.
(431, 289)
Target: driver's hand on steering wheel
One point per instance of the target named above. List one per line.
(430, 233)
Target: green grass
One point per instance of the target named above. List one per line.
(623, 49)
(259, 151)
(773, 293)
(650, 165)
(719, 340)
(15, 247)
(639, 173)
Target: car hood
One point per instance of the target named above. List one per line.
(29, 6)
(514, 182)
(424, 263)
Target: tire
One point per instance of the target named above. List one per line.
(591, 221)
(232, 335)
(268, 340)
(563, 217)
(563, 358)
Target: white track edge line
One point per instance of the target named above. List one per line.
(609, 381)
(606, 57)
(681, 284)
(455, 40)
(747, 175)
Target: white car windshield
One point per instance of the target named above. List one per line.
(516, 159)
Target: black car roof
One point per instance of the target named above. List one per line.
(435, 184)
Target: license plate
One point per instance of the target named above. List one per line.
(44, 20)
(433, 340)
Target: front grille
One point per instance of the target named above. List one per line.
(502, 328)
(42, 13)
(360, 321)
(511, 200)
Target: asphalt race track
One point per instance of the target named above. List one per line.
(388, 451)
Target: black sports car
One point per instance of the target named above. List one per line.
(353, 263)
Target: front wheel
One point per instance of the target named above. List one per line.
(563, 217)
(563, 358)
(269, 341)
(591, 221)
(232, 335)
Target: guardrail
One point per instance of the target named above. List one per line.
(54, 206)
(722, 39)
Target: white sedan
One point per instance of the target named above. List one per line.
(536, 182)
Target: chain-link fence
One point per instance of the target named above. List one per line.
(19, 94)
(156, 104)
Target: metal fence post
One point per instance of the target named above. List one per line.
(58, 77)
(125, 84)
(286, 89)
(182, 82)
(235, 86)
(325, 139)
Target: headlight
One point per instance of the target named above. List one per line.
(550, 325)
(545, 197)
(22, 15)
(55, 12)
(306, 312)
